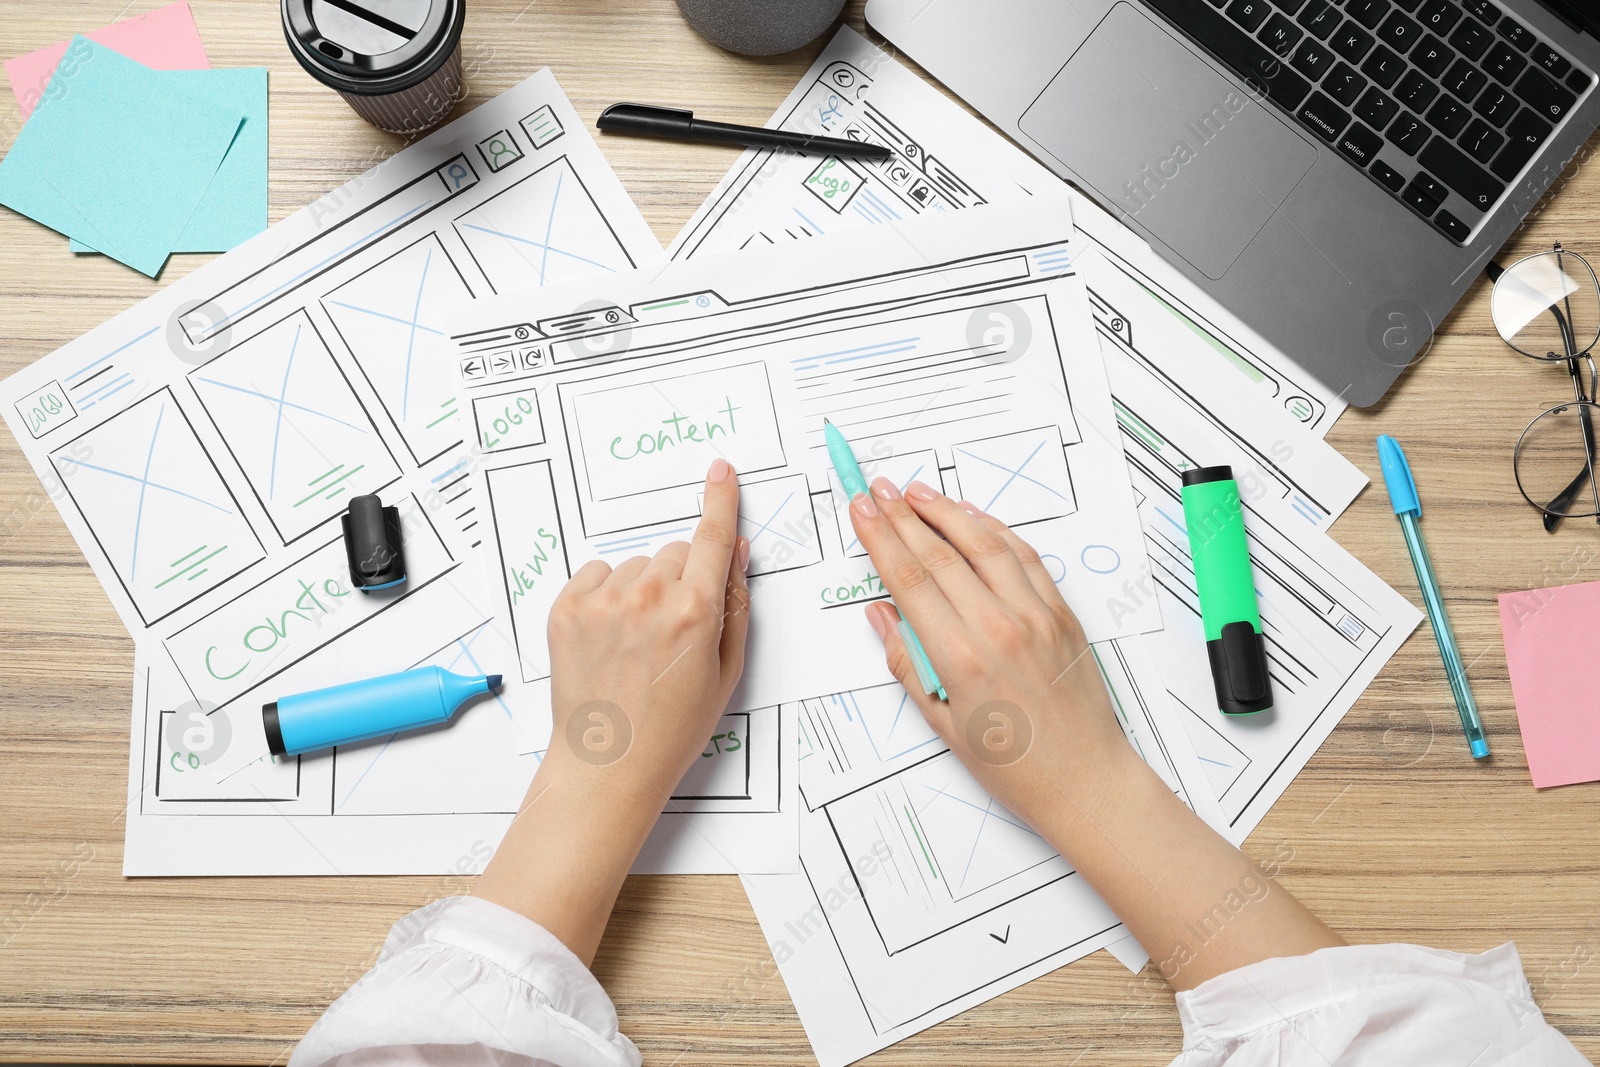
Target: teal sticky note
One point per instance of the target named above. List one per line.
(115, 156)
(234, 207)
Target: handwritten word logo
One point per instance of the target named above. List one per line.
(599, 733)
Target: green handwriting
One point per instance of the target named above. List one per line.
(522, 579)
(734, 744)
(680, 429)
(265, 635)
(868, 588)
(831, 186)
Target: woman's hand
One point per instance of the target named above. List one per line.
(643, 660)
(1029, 715)
(1027, 708)
(644, 656)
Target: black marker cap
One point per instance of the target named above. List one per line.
(1202, 475)
(1239, 670)
(372, 543)
(269, 720)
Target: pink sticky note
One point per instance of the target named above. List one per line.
(1550, 641)
(163, 39)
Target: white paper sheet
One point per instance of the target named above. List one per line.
(919, 895)
(1150, 350)
(433, 802)
(960, 352)
(1176, 408)
(947, 160)
(1330, 623)
(1163, 361)
(203, 444)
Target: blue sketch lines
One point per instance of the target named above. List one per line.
(277, 422)
(1224, 761)
(144, 487)
(777, 519)
(411, 326)
(389, 316)
(853, 355)
(974, 839)
(105, 375)
(291, 421)
(1018, 478)
(1052, 260)
(884, 715)
(977, 836)
(543, 230)
(460, 660)
(901, 469)
(459, 767)
(643, 544)
(147, 464)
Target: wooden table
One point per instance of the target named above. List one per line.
(1392, 833)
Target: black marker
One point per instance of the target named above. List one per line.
(675, 125)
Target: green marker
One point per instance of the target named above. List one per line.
(1222, 576)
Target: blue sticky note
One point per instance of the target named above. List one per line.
(117, 157)
(234, 208)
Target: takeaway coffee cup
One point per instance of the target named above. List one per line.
(396, 62)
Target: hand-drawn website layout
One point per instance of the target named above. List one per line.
(946, 160)
(960, 354)
(1163, 365)
(205, 443)
(432, 802)
(1330, 623)
(919, 895)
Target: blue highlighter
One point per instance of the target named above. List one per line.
(376, 707)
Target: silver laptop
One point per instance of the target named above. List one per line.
(1334, 172)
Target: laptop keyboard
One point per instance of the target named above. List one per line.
(1427, 97)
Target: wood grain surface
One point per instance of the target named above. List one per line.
(1391, 833)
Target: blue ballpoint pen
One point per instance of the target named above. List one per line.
(1408, 508)
(855, 483)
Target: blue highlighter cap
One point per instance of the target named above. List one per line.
(1397, 476)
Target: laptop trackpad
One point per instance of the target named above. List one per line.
(1155, 131)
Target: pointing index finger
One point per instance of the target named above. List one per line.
(711, 551)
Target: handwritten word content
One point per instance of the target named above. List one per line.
(679, 429)
(661, 433)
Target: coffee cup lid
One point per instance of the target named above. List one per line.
(372, 47)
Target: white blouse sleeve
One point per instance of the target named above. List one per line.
(1372, 1004)
(467, 982)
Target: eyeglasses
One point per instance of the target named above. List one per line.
(1547, 307)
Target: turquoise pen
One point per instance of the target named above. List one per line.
(855, 483)
(1408, 508)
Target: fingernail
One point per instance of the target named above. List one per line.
(862, 505)
(743, 554)
(879, 620)
(971, 509)
(884, 489)
(719, 470)
(918, 491)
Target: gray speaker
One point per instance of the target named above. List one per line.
(761, 27)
